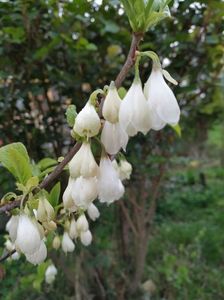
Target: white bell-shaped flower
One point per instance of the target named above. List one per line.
(11, 227)
(50, 274)
(113, 137)
(82, 223)
(39, 256)
(110, 187)
(125, 169)
(45, 211)
(87, 122)
(86, 237)
(84, 191)
(67, 243)
(93, 212)
(134, 111)
(111, 105)
(161, 99)
(73, 230)
(28, 238)
(83, 163)
(67, 196)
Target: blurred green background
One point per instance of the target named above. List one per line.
(165, 239)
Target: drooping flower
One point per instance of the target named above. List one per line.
(11, 227)
(39, 256)
(134, 111)
(111, 105)
(67, 196)
(84, 191)
(83, 163)
(82, 223)
(87, 122)
(162, 102)
(67, 243)
(93, 212)
(113, 137)
(110, 187)
(28, 238)
(45, 211)
(50, 274)
(73, 230)
(86, 237)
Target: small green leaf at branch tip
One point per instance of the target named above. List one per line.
(71, 114)
(54, 195)
(177, 129)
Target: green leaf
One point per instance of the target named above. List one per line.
(32, 182)
(15, 159)
(45, 163)
(71, 114)
(55, 194)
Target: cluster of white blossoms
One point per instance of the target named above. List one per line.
(96, 177)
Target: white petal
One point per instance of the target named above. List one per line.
(125, 169)
(113, 138)
(39, 256)
(11, 227)
(51, 271)
(67, 196)
(134, 112)
(28, 236)
(73, 230)
(84, 191)
(67, 243)
(93, 212)
(86, 238)
(83, 163)
(82, 223)
(87, 122)
(111, 105)
(110, 187)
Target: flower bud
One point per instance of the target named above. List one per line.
(110, 187)
(93, 212)
(113, 137)
(11, 227)
(125, 169)
(87, 122)
(84, 191)
(86, 238)
(82, 223)
(56, 242)
(50, 274)
(73, 230)
(45, 211)
(28, 237)
(67, 243)
(83, 163)
(39, 256)
(134, 112)
(111, 105)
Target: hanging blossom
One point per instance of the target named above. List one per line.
(134, 111)
(163, 105)
(113, 136)
(87, 122)
(110, 187)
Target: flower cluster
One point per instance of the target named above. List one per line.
(94, 175)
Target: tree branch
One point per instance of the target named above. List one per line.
(136, 38)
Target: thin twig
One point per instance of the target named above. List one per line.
(7, 255)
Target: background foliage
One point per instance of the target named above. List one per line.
(54, 53)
